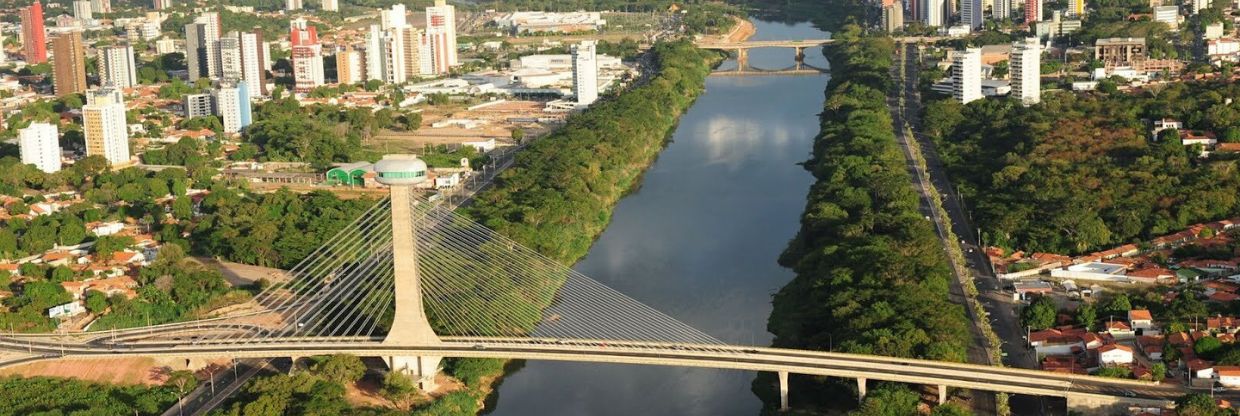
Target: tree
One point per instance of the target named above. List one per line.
(889, 400)
(181, 208)
(1198, 404)
(1040, 315)
(1119, 304)
(1207, 347)
(1158, 371)
(340, 368)
(1087, 315)
(106, 245)
(1114, 372)
(400, 389)
(72, 231)
(96, 301)
(518, 135)
(61, 274)
(1171, 353)
(950, 409)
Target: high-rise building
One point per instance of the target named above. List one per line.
(373, 58)
(967, 75)
(81, 10)
(331, 5)
(3, 56)
(197, 105)
(392, 18)
(349, 68)
(1169, 15)
(253, 63)
(266, 51)
(103, 120)
(1026, 66)
(40, 146)
(68, 64)
(161, 4)
(1033, 11)
(1001, 9)
(202, 46)
(1076, 8)
(1199, 5)
(392, 60)
(441, 33)
(893, 16)
(415, 44)
(34, 37)
(116, 66)
(101, 6)
(306, 56)
(585, 73)
(243, 89)
(292, 4)
(971, 14)
(228, 105)
(230, 56)
(932, 13)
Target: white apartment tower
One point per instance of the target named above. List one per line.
(40, 146)
(1001, 9)
(967, 75)
(392, 60)
(417, 52)
(374, 53)
(292, 4)
(228, 106)
(82, 11)
(230, 56)
(202, 54)
(330, 5)
(585, 73)
(101, 6)
(441, 33)
(971, 14)
(932, 12)
(253, 63)
(393, 18)
(893, 16)
(1027, 71)
(116, 66)
(103, 120)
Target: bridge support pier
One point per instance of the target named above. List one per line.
(783, 391)
(800, 54)
(421, 368)
(942, 394)
(742, 59)
(860, 389)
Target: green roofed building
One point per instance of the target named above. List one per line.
(352, 174)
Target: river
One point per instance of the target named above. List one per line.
(699, 241)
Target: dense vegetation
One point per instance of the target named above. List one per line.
(870, 272)
(1081, 172)
(319, 134)
(58, 396)
(560, 192)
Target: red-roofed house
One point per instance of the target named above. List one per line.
(1119, 329)
(1199, 368)
(1151, 274)
(1151, 346)
(1141, 319)
(1223, 297)
(1223, 324)
(1115, 354)
(1180, 339)
(1228, 375)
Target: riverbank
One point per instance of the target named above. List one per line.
(871, 277)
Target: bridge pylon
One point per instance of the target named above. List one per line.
(409, 324)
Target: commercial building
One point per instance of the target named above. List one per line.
(165, 46)
(441, 34)
(103, 120)
(202, 46)
(306, 56)
(1026, 63)
(585, 73)
(68, 64)
(1169, 15)
(197, 105)
(1119, 52)
(550, 22)
(971, 14)
(893, 16)
(81, 10)
(116, 66)
(40, 146)
(967, 76)
(34, 36)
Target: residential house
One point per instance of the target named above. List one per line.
(1115, 354)
(1151, 346)
(66, 310)
(1198, 368)
(1120, 330)
(1142, 321)
(1149, 273)
(1228, 375)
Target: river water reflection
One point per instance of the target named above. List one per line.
(699, 241)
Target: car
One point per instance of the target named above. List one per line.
(480, 347)
(1129, 393)
(1219, 389)
(750, 351)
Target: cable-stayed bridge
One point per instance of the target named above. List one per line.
(413, 282)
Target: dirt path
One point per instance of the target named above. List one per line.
(742, 31)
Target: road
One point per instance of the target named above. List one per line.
(1002, 311)
(979, 348)
(227, 382)
(925, 372)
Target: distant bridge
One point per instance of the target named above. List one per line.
(740, 50)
